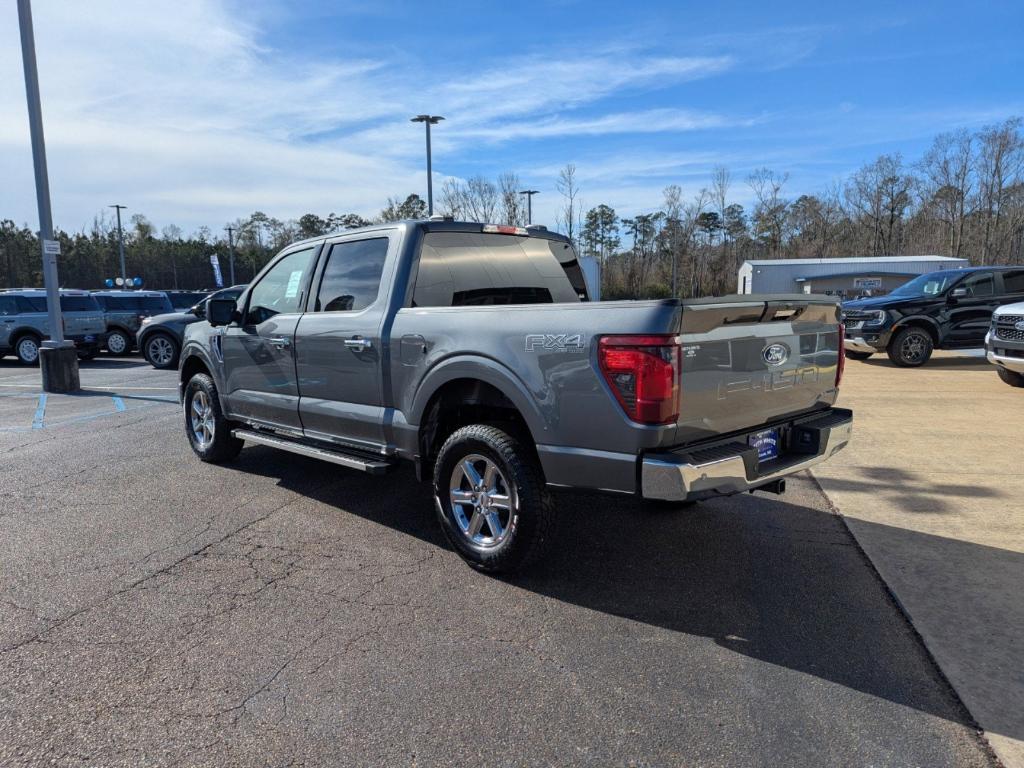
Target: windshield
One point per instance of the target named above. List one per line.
(931, 284)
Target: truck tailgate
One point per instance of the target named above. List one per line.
(749, 361)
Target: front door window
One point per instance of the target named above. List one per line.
(280, 291)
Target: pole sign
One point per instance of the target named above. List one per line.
(217, 277)
(51, 247)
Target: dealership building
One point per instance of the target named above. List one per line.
(874, 275)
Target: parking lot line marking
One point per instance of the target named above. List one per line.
(118, 403)
(37, 422)
(103, 389)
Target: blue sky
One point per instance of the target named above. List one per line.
(200, 111)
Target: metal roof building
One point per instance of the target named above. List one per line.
(843, 277)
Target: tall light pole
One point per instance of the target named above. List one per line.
(120, 242)
(529, 204)
(58, 360)
(231, 254)
(428, 120)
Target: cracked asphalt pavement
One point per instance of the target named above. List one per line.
(278, 611)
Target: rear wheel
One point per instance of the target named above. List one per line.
(1012, 378)
(27, 349)
(209, 432)
(491, 499)
(161, 351)
(118, 342)
(851, 355)
(911, 347)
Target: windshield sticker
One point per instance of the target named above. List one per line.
(293, 284)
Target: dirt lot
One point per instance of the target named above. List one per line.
(932, 486)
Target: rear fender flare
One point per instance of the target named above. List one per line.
(488, 371)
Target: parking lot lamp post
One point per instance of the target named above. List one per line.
(231, 254)
(120, 243)
(58, 359)
(529, 204)
(428, 120)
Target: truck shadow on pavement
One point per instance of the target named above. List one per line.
(941, 363)
(773, 581)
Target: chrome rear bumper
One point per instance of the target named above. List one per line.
(682, 476)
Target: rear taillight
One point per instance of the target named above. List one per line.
(841, 363)
(643, 373)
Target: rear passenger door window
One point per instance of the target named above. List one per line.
(8, 306)
(1013, 282)
(352, 276)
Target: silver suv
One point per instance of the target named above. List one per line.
(24, 323)
(125, 311)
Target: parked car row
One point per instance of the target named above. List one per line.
(951, 309)
(116, 320)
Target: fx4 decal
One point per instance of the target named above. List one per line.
(555, 342)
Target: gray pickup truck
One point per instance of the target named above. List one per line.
(472, 350)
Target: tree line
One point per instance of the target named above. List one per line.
(964, 197)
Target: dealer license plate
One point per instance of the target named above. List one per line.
(767, 444)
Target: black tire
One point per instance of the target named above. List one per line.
(22, 346)
(529, 519)
(1012, 378)
(159, 356)
(119, 342)
(911, 347)
(852, 355)
(215, 443)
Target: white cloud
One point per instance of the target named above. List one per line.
(183, 112)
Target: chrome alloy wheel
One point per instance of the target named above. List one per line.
(483, 504)
(161, 351)
(201, 420)
(913, 347)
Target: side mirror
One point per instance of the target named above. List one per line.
(958, 293)
(221, 311)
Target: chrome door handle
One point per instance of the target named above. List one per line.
(280, 342)
(359, 344)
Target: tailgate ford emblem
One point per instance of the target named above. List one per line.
(775, 354)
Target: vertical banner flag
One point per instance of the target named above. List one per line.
(215, 263)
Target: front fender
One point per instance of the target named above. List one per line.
(489, 371)
(193, 351)
(919, 320)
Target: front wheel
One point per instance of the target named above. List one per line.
(161, 351)
(209, 432)
(1012, 378)
(911, 347)
(491, 499)
(27, 350)
(852, 355)
(118, 343)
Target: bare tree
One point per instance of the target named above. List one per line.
(1000, 164)
(513, 211)
(948, 184)
(771, 208)
(881, 193)
(571, 212)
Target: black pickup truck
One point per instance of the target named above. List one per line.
(950, 309)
